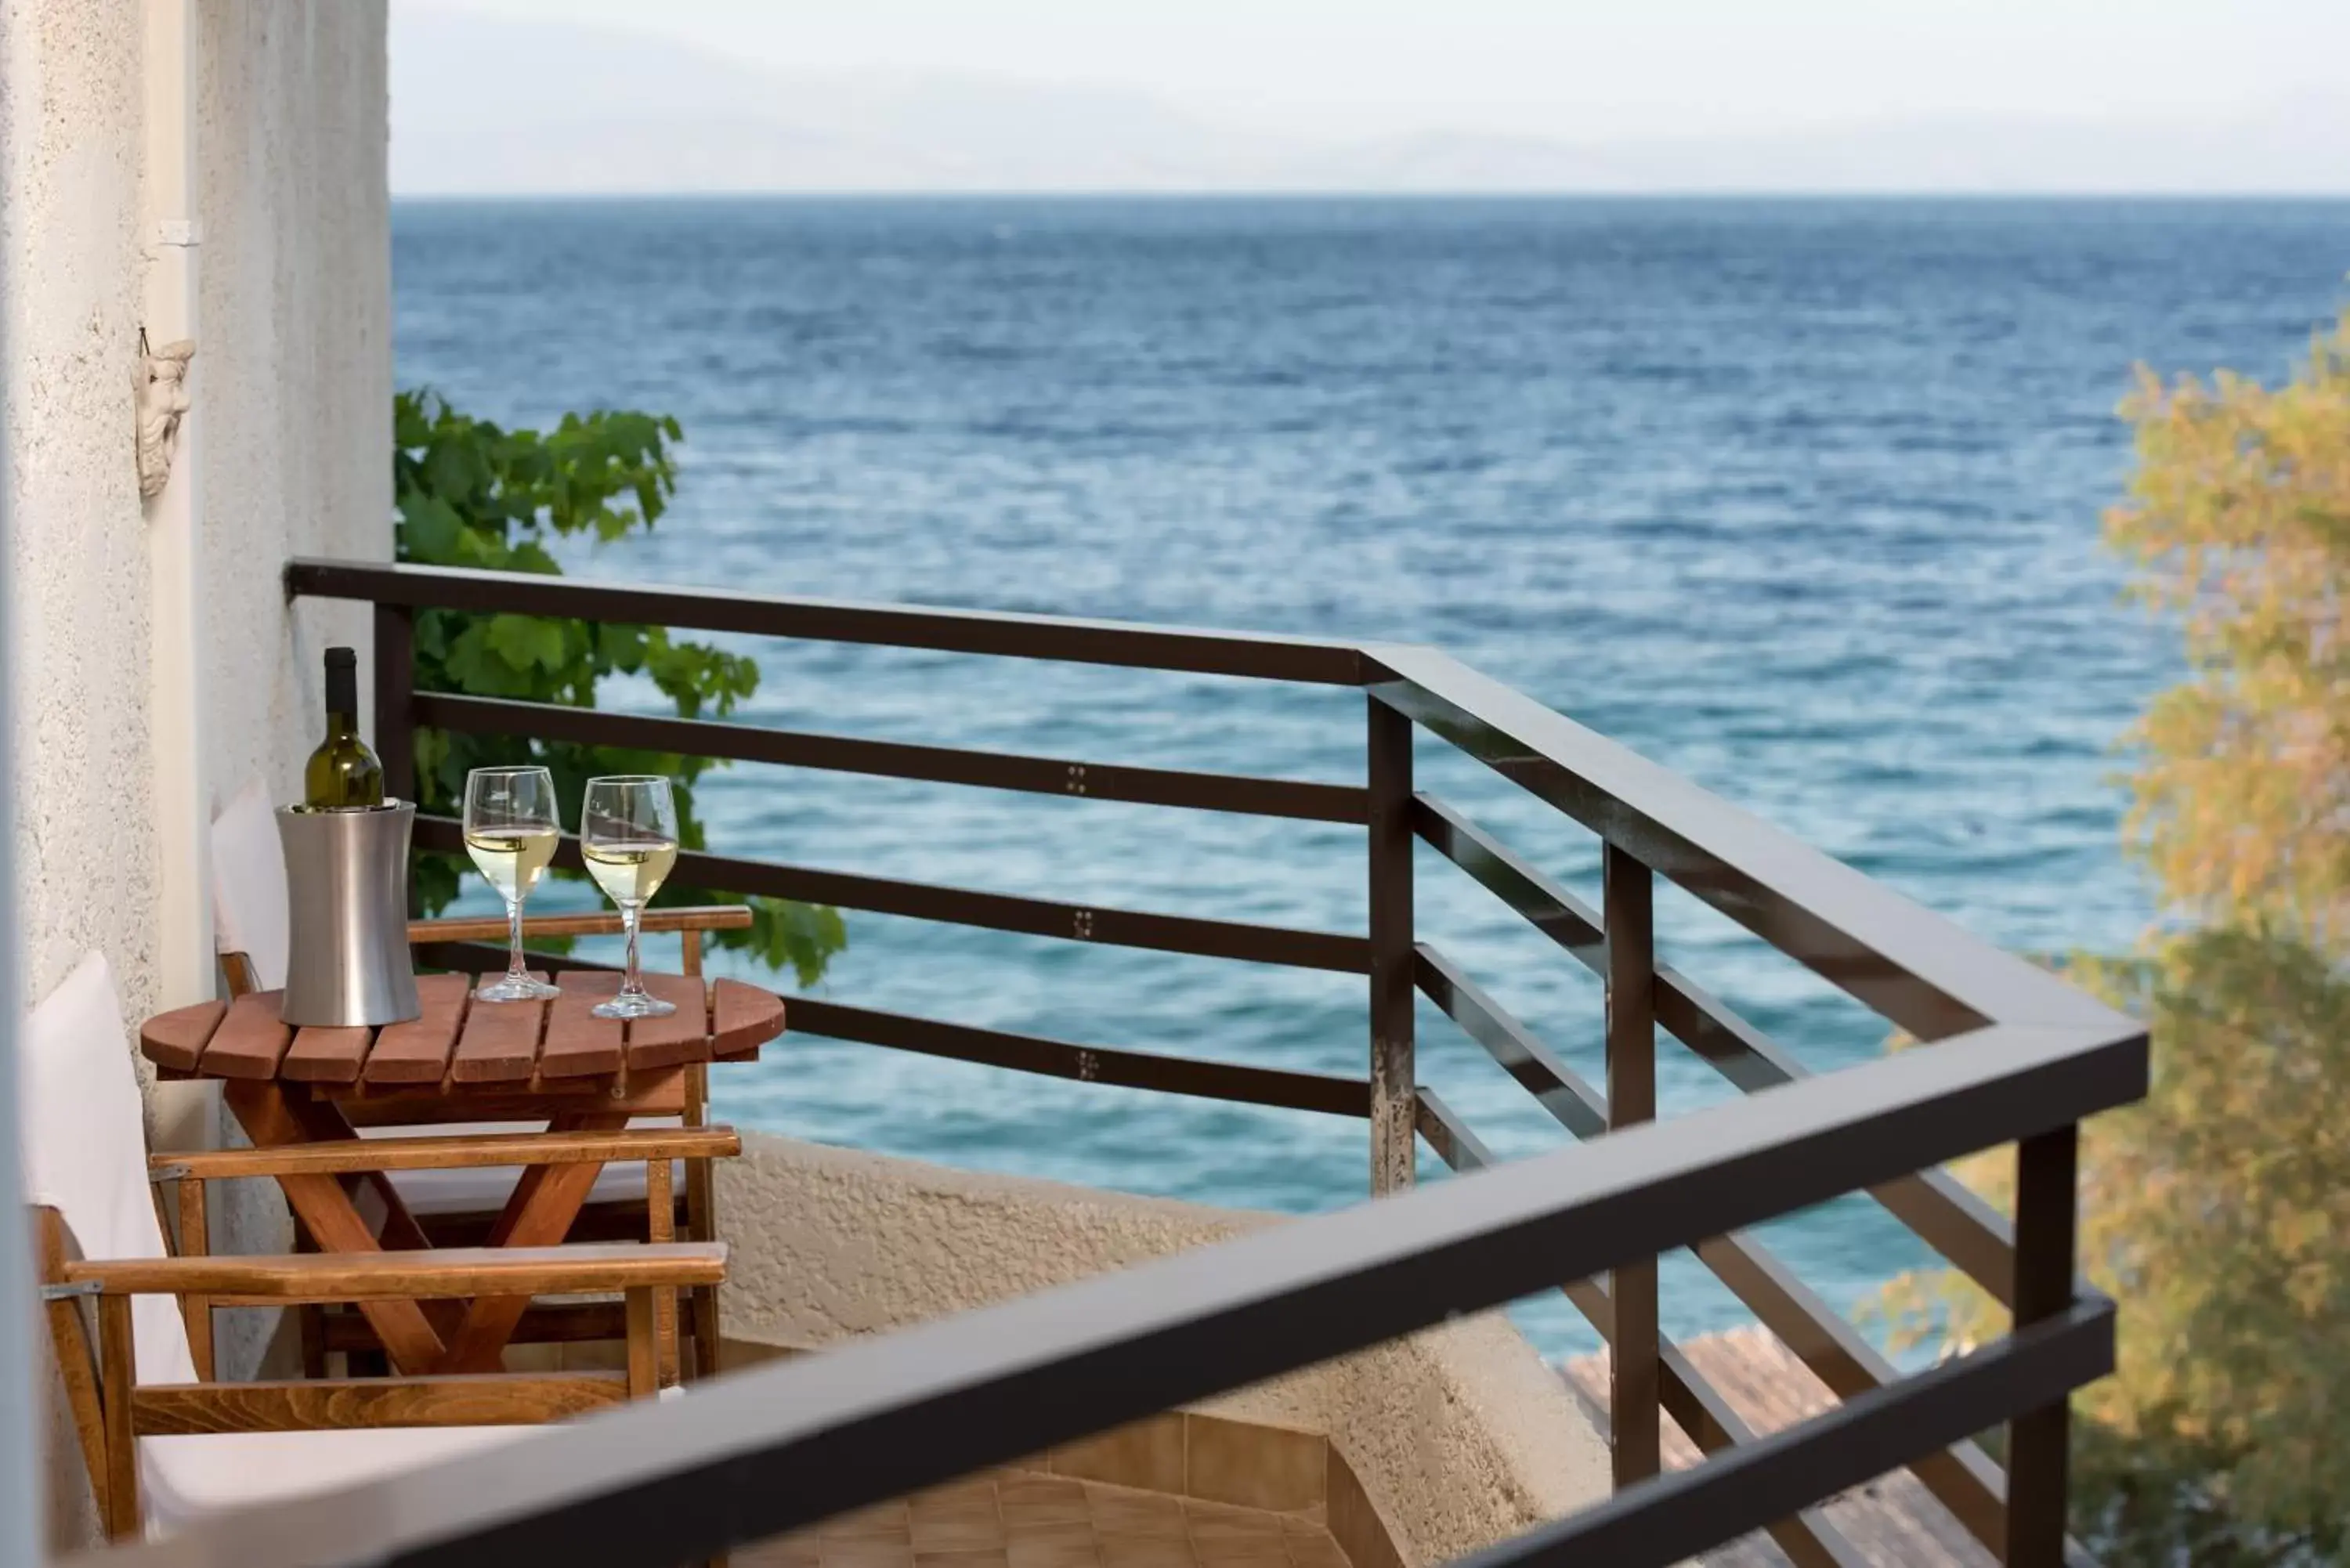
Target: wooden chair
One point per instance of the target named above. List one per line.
(459, 1207)
(164, 1443)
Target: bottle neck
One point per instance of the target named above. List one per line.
(342, 696)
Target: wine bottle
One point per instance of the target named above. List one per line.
(342, 772)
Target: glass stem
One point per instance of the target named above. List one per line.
(630, 983)
(515, 971)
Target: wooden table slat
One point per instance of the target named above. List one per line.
(456, 1042)
(250, 1041)
(500, 1042)
(682, 1036)
(579, 1043)
(744, 1018)
(176, 1039)
(327, 1055)
(418, 1051)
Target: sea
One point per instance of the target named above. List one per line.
(1799, 498)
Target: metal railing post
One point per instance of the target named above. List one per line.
(395, 709)
(2039, 1441)
(1394, 1110)
(1628, 915)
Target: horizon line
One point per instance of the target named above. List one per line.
(1277, 194)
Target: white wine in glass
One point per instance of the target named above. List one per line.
(628, 837)
(510, 859)
(511, 828)
(629, 873)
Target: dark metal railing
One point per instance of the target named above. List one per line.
(2021, 1058)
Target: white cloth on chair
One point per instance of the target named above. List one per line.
(249, 909)
(85, 1130)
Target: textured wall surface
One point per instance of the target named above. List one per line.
(294, 312)
(70, 273)
(1461, 1435)
(69, 305)
(295, 308)
(291, 382)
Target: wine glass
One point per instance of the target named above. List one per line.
(511, 830)
(627, 836)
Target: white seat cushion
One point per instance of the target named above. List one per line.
(474, 1191)
(187, 1479)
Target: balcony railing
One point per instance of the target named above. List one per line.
(2018, 1057)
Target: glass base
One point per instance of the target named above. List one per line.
(638, 1005)
(506, 988)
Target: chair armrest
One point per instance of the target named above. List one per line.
(320, 1277)
(451, 1152)
(597, 923)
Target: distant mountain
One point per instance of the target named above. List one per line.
(2302, 148)
(485, 106)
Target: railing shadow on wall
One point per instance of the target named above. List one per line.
(2018, 1057)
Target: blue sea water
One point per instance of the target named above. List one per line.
(1798, 498)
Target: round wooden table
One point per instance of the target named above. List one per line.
(458, 1060)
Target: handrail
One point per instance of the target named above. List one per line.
(780, 1448)
(1907, 963)
(2019, 1055)
(1195, 650)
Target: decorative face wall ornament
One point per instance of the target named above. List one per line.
(161, 385)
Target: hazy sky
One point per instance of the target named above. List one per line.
(1576, 69)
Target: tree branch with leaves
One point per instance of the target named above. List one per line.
(2217, 1212)
(471, 494)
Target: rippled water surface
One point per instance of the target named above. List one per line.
(1798, 499)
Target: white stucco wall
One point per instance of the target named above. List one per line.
(292, 381)
(296, 304)
(70, 283)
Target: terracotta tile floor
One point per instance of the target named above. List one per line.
(1015, 1518)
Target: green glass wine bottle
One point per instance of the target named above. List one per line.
(342, 772)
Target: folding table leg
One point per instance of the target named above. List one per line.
(333, 1220)
(540, 1213)
(325, 1123)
